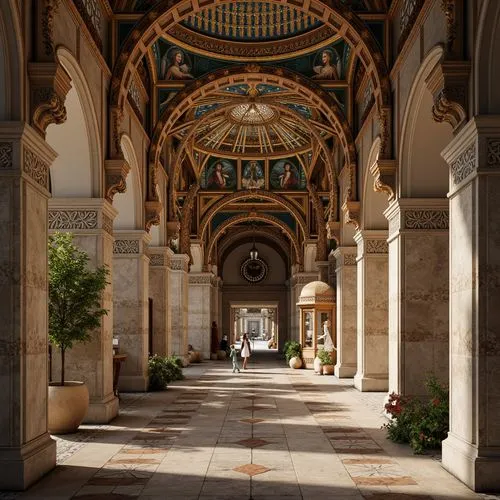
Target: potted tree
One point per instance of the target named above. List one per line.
(326, 361)
(75, 294)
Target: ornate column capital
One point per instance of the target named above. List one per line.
(449, 83)
(384, 173)
(371, 242)
(116, 172)
(159, 256)
(49, 85)
(345, 256)
(153, 213)
(81, 215)
(173, 230)
(351, 210)
(130, 243)
(179, 262)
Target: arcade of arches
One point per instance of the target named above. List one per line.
(355, 142)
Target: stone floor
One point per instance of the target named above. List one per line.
(265, 433)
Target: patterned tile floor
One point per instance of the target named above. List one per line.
(265, 433)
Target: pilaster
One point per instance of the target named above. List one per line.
(160, 293)
(472, 450)
(346, 311)
(179, 265)
(90, 220)
(418, 293)
(372, 304)
(26, 450)
(131, 288)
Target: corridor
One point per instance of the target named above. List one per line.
(267, 433)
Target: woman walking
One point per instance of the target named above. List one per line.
(245, 350)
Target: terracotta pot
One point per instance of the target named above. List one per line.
(68, 405)
(317, 366)
(328, 370)
(295, 363)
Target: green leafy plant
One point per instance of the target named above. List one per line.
(75, 294)
(163, 370)
(324, 357)
(424, 425)
(292, 349)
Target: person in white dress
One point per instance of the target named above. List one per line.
(246, 351)
(328, 345)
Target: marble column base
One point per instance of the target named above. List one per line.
(102, 412)
(371, 384)
(23, 466)
(480, 473)
(345, 370)
(133, 383)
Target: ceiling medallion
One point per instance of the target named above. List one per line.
(252, 114)
(254, 270)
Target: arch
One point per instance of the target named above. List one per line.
(11, 57)
(129, 204)
(373, 203)
(252, 216)
(77, 171)
(417, 164)
(232, 76)
(487, 67)
(252, 193)
(166, 14)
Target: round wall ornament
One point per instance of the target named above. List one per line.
(254, 270)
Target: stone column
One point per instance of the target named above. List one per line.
(297, 282)
(472, 450)
(159, 291)
(418, 293)
(346, 342)
(200, 311)
(131, 290)
(372, 304)
(91, 222)
(179, 305)
(26, 450)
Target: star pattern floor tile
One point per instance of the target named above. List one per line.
(253, 442)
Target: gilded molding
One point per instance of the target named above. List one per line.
(116, 172)
(376, 246)
(426, 219)
(126, 247)
(72, 219)
(6, 155)
(90, 13)
(48, 108)
(186, 217)
(384, 173)
(464, 165)
(153, 214)
(448, 7)
(36, 168)
(50, 8)
(351, 211)
(321, 250)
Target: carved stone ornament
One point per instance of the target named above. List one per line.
(351, 211)
(156, 259)
(464, 165)
(153, 213)
(72, 219)
(50, 83)
(448, 7)
(493, 153)
(197, 279)
(448, 83)
(126, 247)
(376, 246)
(6, 155)
(179, 265)
(349, 259)
(116, 177)
(36, 168)
(333, 231)
(410, 10)
(50, 8)
(426, 219)
(107, 224)
(384, 173)
(187, 210)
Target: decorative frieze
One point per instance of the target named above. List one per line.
(37, 169)
(464, 165)
(200, 279)
(72, 219)
(426, 219)
(126, 246)
(6, 155)
(179, 265)
(376, 246)
(156, 259)
(349, 259)
(493, 153)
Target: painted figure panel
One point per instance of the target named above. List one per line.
(220, 174)
(253, 175)
(286, 175)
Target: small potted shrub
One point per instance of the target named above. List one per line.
(293, 354)
(163, 370)
(326, 362)
(75, 294)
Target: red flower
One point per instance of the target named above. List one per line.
(436, 401)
